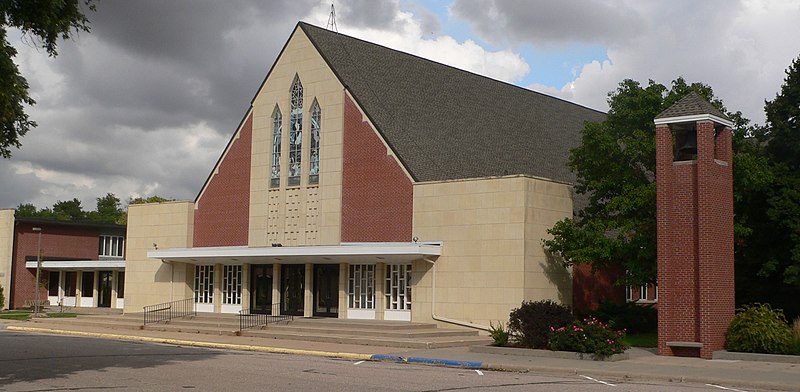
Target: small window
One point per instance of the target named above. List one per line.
(120, 285)
(295, 132)
(87, 284)
(361, 287)
(313, 162)
(204, 284)
(111, 246)
(52, 284)
(277, 131)
(643, 292)
(70, 283)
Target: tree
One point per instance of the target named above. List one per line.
(615, 170)
(44, 21)
(69, 210)
(768, 205)
(108, 210)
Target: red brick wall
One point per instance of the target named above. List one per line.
(64, 242)
(222, 216)
(695, 243)
(590, 289)
(377, 196)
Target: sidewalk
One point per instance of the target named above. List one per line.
(642, 365)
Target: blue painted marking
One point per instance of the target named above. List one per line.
(430, 361)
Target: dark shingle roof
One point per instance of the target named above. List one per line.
(691, 104)
(445, 123)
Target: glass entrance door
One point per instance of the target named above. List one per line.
(292, 289)
(104, 289)
(326, 290)
(261, 288)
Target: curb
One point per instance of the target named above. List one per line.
(428, 361)
(227, 346)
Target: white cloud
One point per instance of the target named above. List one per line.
(740, 50)
(408, 35)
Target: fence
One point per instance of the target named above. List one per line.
(249, 319)
(169, 310)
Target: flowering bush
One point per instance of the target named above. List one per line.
(587, 336)
(529, 323)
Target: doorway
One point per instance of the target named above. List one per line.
(326, 290)
(261, 288)
(104, 289)
(293, 289)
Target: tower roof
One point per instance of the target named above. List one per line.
(691, 107)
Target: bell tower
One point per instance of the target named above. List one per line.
(694, 187)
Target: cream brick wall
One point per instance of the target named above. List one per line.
(310, 214)
(149, 281)
(6, 251)
(492, 258)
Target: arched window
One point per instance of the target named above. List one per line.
(295, 132)
(277, 125)
(313, 162)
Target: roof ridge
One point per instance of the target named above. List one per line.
(509, 84)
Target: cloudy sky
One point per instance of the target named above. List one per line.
(145, 104)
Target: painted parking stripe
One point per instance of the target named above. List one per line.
(480, 373)
(725, 388)
(358, 363)
(599, 381)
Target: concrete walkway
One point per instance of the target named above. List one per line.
(641, 365)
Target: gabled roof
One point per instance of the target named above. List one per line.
(691, 105)
(445, 123)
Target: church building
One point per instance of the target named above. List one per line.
(367, 183)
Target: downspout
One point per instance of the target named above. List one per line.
(433, 304)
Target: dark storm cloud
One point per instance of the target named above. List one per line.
(145, 101)
(543, 22)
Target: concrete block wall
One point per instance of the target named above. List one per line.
(149, 281)
(6, 251)
(492, 258)
(308, 214)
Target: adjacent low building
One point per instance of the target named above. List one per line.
(364, 182)
(82, 264)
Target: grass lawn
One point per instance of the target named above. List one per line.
(15, 315)
(60, 315)
(26, 314)
(642, 340)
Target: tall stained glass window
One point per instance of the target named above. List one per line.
(313, 162)
(295, 132)
(277, 125)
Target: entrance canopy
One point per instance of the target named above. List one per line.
(84, 265)
(352, 253)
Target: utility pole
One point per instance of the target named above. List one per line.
(38, 271)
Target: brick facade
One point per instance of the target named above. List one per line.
(59, 242)
(589, 288)
(695, 242)
(222, 213)
(377, 195)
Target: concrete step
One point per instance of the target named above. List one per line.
(375, 331)
(361, 332)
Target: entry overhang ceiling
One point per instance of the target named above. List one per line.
(85, 265)
(351, 253)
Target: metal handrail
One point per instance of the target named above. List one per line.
(247, 319)
(169, 310)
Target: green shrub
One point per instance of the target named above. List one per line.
(2, 298)
(498, 333)
(795, 348)
(588, 336)
(759, 329)
(531, 322)
(633, 318)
